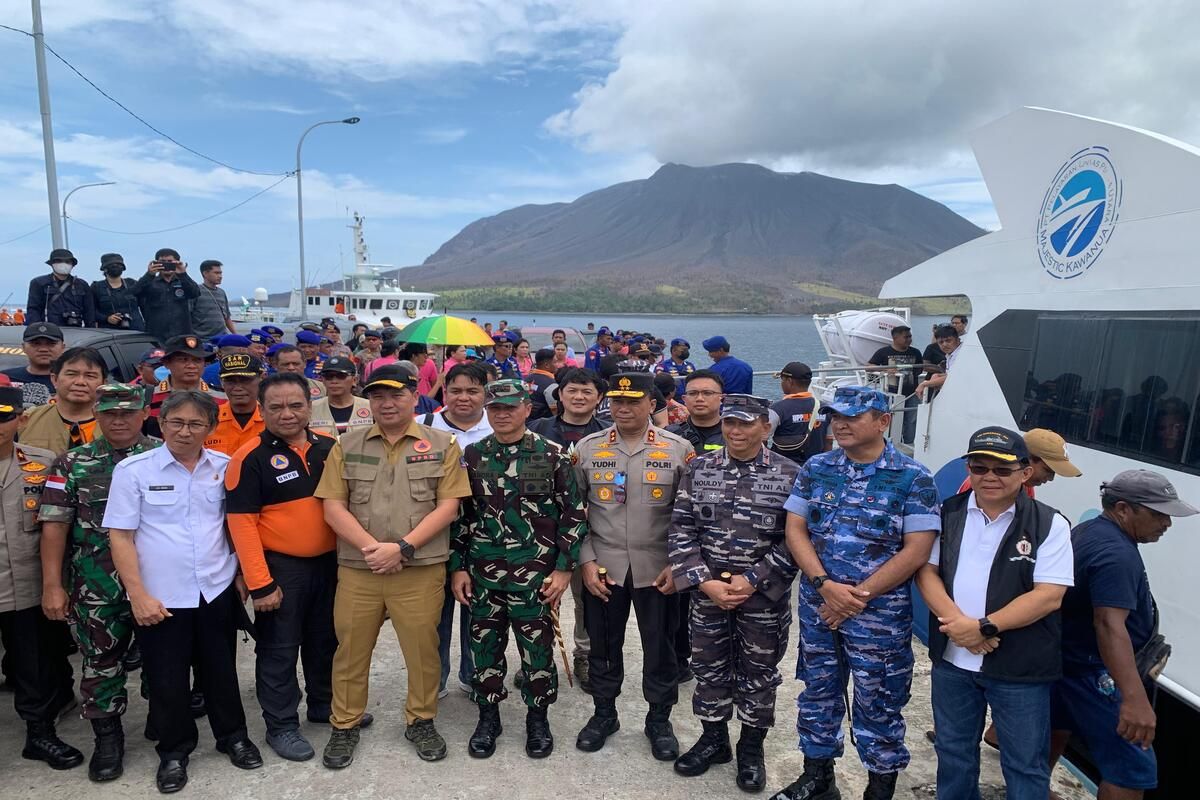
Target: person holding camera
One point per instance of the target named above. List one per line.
(60, 298)
(116, 297)
(166, 293)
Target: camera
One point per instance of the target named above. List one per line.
(72, 319)
(125, 320)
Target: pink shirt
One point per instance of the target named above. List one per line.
(427, 377)
(451, 364)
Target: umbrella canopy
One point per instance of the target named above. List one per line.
(444, 329)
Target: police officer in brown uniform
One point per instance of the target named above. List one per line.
(391, 491)
(630, 473)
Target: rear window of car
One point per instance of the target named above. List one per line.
(11, 357)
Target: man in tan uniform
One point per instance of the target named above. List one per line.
(630, 473)
(391, 491)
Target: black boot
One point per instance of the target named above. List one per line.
(663, 744)
(483, 741)
(539, 742)
(604, 723)
(711, 748)
(880, 785)
(108, 758)
(751, 766)
(817, 782)
(42, 744)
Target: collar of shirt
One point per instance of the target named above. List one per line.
(163, 457)
(889, 459)
(1007, 514)
(225, 414)
(413, 431)
(763, 459)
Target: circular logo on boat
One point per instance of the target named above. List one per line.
(1079, 213)
(279, 462)
(422, 446)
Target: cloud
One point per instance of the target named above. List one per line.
(442, 135)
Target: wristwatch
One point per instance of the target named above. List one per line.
(819, 581)
(407, 551)
(988, 628)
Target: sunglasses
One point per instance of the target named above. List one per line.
(999, 472)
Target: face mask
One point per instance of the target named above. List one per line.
(684, 353)
(113, 272)
(62, 267)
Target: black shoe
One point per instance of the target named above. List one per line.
(817, 782)
(663, 744)
(880, 786)
(685, 673)
(108, 758)
(242, 754)
(751, 764)
(199, 709)
(539, 742)
(172, 775)
(583, 674)
(339, 751)
(483, 741)
(603, 724)
(711, 748)
(132, 660)
(42, 744)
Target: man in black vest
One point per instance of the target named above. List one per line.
(994, 584)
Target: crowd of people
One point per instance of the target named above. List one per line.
(308, 492)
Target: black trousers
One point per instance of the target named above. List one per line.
(683, 633)
(208, 636)
(300, 629)
(657, 620)
(37, 661)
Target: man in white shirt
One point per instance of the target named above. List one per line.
(948, 341)
(166, 521)
(994, 583)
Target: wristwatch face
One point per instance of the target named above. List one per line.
(819, 581)
(988, 628)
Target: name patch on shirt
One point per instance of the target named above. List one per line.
(604, 464)
(423, 457)
(160, 488)
(287, 476)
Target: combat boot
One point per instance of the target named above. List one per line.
(663, 744)
(751, 765)
(880, 785)
(108, 758)
(42, 744)
(817, 782)
(483, 741)
(539, 742)
(711, 748)
(604, 723)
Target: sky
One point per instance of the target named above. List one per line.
(471, 107)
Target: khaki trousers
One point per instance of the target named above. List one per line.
(413, 600)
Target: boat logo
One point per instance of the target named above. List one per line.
(1079, 213)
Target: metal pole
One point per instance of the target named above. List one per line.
(300, 211)
(66, 234)
(39, 52)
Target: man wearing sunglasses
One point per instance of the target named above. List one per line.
(994, 584)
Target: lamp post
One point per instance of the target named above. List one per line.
(66, 235)
(300, 209)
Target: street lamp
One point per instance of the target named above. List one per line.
(66, 237)
(300, 209)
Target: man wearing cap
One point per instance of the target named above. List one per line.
(226, 345)
(861, 520)
(166, 293)
(513, 552)
(239, 418)
(994, 583)
(391, 491)
(147, 368)
(183, 356)
(727, 540)
(370, 344)
(678, 365)
(502, 358)
(41, 343)
(309, 344)
(602, 348)
(116, 297)
(737, 375)
(1112, 651)
(802, 430)
(631, 473)
(901, 354)
(37, 662)
(260, 341)
(274, 331)
(339, 410)
(89, 595)
(59, 297)
(69, 419)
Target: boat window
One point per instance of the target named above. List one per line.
(376, 305)
(1126, 383)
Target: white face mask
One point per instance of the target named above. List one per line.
(62, 267)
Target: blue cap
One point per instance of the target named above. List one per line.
(153, 356)
(274, 330)
(260, 337)
(677, 342)
(232, 340)
(471, 353)
(326, 340)
(307, 337)
(275, 348)
(604, 331)
(501, 338)
(714, 343)
(851, 401)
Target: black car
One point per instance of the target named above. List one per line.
(122, 350)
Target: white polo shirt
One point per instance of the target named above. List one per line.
(981, 539)
(477, 432)
(179, 522)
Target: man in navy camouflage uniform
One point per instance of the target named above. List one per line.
(502, 358)
(727, 540)
(861, 520)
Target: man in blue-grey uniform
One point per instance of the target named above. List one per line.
(737, 375)
(502, 357)
(861, 520)
(309, 344)
(602, 348)
(678, 366)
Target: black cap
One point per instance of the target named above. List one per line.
(61, 254)
(111, 258)
(796, 370)
(187, 344)
(240, 365)
(999, 443)
(12, 400)
(42, 330)
(543, 355)
(339, 364)
(393, 376)
(631, 384)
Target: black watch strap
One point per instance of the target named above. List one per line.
(407, 550)
(988, 628)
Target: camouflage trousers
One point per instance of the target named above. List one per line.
(492, 613)
(879, 661)
(735, 657)
(103, 630)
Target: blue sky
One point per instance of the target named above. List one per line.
(470, 107)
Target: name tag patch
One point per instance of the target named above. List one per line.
(423, 457)
(287, 476)
(161, 488)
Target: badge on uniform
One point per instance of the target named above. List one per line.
(608, 476)
(35, 479)
(363, 412)
(422, 446)
(651, 477)
(30, 503)
(604, 493)
(659, 454)
(604, 454)
(279, 461)
(656, 493)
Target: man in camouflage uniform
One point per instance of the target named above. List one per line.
(727, 540)
(861, 520)
(94, 602)
(513, 553)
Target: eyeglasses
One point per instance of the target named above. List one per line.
(705, 393)
(179, 425)
(999, 472)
